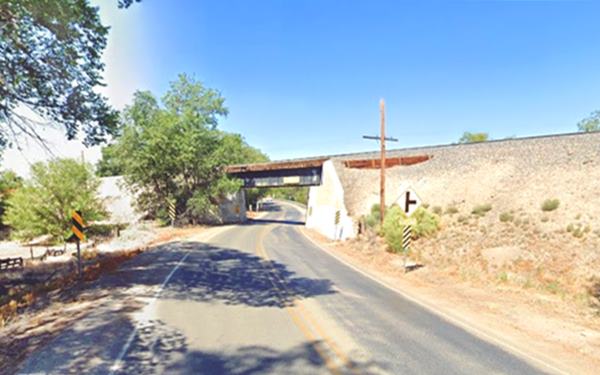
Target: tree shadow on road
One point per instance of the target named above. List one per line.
(274, 221)
(203, 273)
(159, 348)
(211, 273)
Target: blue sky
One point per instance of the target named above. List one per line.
(304, 77)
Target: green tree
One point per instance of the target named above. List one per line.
(9, 183)
(469, 137)
(175, 151)
(109, 164)
(50, 65)
(45, 202)
(297, 193)
(590, 123)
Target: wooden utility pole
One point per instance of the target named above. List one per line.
(382, 169)
(382, 138)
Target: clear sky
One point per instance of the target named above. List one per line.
(304, 77)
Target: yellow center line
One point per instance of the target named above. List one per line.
(296, 318)
(302, 315)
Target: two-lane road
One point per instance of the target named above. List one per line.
(261, 298)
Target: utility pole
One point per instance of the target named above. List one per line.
(382, 138)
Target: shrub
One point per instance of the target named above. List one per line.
(469, 137)
(423, 222)
(393, 226)
(372, 220)
(451, 210)
(437, 210)
(553, 287)
(550, 204)
(503, 277)
(506, 217)
(482, 209)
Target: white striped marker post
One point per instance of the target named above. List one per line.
(406, 234)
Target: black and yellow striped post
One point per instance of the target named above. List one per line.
(172, 210)
(77, 227)
(406, 237)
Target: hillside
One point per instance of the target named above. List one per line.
(490, 196)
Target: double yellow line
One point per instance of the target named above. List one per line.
(301, 317)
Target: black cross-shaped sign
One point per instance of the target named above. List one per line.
(408, 202)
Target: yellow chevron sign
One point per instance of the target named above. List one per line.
(77, 225)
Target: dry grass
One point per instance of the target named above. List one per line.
(482, 209)
(550, 205)
(62, 278)
(37, 280)
(506, 217)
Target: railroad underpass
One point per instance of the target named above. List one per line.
(326, 210)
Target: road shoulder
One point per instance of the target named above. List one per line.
(497, 317)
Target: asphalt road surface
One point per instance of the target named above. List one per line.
(260, 298)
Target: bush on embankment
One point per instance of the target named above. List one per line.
(423, 223)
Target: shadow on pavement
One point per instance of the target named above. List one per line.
(273, 207)
(161, 349)
(270, 207)
(274, 221)
(89, 343)
(215, 273)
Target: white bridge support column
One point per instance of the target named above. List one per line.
(324, 202)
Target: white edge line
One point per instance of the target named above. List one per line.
(117, 363)
(451, 318)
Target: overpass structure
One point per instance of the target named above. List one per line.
(308, 172)
(305, 172)
(343, 188)
(326, 209)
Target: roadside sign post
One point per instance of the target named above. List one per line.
(336, 223)
(172, 211)
(406, 236)
(77, 229)
(409, 202)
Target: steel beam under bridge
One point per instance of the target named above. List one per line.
(279, 174)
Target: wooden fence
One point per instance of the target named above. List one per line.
(11, 263)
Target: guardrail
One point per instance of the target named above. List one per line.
(11, 263)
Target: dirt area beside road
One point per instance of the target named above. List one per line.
(37, 317)
(532, 322)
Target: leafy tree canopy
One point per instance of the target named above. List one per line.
(469, 137)
(173, 150)
(50, 63)
(9, 183)
(590, 123)
(127, 3)
(297, 194)
(109, 164)
(45, 202)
